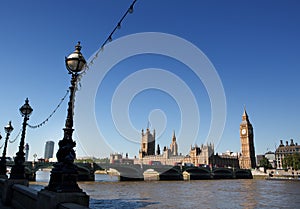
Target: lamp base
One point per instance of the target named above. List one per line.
(50, 200)
(17, 172)
(63, 178)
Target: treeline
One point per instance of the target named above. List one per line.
(92, 160)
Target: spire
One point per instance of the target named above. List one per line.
(174, 137)
(245, 112)
(245, 115)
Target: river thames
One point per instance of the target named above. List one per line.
(108, 192)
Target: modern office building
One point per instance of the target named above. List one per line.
(26, 151)
(49, 148)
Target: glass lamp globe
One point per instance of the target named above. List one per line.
(75, 62)
(8, 129)
(26, 109)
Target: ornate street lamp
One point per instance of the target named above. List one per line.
(64, 173)
(8, 129)
(18, 170)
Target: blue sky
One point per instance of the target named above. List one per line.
(253, 45)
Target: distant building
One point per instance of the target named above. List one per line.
(247, 158)
(258, 159)
(284, 150)
(169, 156)
(198, 156)
(148, 143)
(26, 151)
(117, 158)
(271, 158)
(227, 161)
(49, 148)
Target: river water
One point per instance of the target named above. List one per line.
(108, 192)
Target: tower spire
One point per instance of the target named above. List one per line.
(245, 115)
(174, 137)
(174, 146)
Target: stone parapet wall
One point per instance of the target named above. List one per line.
(70, 206)
(18, 195)
(23, 197)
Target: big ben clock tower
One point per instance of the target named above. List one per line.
(247, 159)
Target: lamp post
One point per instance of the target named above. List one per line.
(64, 173)
(8, 129)
(34, 156)
(18, 170)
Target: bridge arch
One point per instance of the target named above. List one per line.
(128, 173)
(173, 173)
(198, 173)
(222, 173)
(243, 174)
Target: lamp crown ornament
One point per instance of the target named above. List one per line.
(75, 62)
(8, 128)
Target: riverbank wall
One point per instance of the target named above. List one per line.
(17, 194)
(275, 173)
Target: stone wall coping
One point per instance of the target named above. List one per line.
(71, 206)
(26, 191)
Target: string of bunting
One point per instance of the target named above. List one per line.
(12, 141)
(87, 66)
(107, 40)
(53, 112)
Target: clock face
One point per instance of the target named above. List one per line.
(243, 131)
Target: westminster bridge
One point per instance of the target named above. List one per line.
(126, 172)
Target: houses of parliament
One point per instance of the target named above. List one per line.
(199, 155)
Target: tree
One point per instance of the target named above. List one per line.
(296, 157)
(264, 162)
(292, 161)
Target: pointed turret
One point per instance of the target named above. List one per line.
(174, 146)
(174, 137)
(245, 115)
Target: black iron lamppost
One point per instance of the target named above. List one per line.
(64, 173)
(18, 170)
(8, 129)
